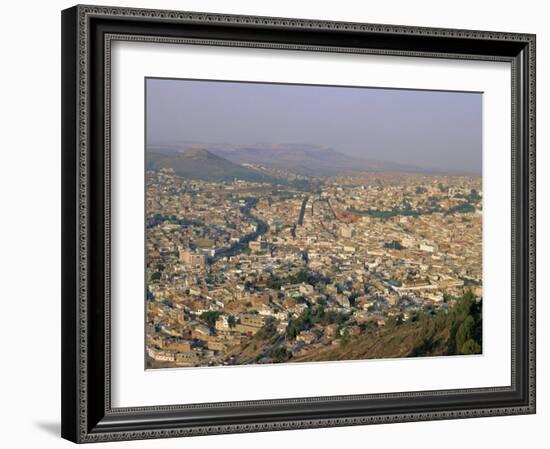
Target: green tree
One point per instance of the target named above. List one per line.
(292, 329)
(344, 341)
(371, 324)
(471, 347)
(474, 195)
(394, 321)
(210, 318)
(280, 354)
(465, 332)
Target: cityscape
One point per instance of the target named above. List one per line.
(284, 253)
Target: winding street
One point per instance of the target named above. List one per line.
(241, 245)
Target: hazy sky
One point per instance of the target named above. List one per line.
(436, 130)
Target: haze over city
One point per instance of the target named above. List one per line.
(433, 130)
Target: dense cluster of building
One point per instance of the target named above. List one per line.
(232, 267)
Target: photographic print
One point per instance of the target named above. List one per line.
(289, 223)
(314, 202)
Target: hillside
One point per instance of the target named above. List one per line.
(406, 340)
(202, 164)
(444, 333)
(457, 331)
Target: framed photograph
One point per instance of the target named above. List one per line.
(277, 223)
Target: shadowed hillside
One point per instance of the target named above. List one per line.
(427, 333)
(202, 164)
(456, 332)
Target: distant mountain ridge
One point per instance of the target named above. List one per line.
(309, 161)
(302, 159)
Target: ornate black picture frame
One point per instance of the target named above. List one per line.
(87, 34)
